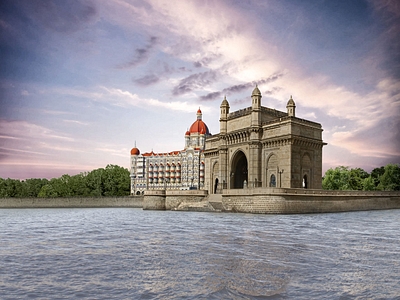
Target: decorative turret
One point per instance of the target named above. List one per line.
(199, 114)
(187, 138)
(256, 99)
(224, 115)
(256, 107)
(291, 108)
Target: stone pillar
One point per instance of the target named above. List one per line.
(223, 167)
(254, 163)
(154, 200)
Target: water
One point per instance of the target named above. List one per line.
(133, 254)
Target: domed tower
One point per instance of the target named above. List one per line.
(291, 108)
(195, 136)
(135, 152)
(223, 116)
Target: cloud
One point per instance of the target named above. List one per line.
(238, 88)
(27, 140)
(60, 16)
(125, 98)
(42, 149)
(388, 12)
(147, 80)
(76, 122)
(159, 72)
(141, 55)
(205, 61)
(194, 82)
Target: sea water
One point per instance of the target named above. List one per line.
(122, 253)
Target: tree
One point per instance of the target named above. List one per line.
(94, 183)
(32, 187)
(336, 179)
(116, 181)
(356, 179)
(78, 185)
(376, 174)
(390, 180)
(11, 188)
(47, 191)
(369, 184)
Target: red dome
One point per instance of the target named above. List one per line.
(135, 151)
(187, 133)
(199, 127)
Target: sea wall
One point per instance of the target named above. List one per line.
(258, 200)
(128, 201)
(175, 198)
(297, 201)
(154, 200)
(170, 199)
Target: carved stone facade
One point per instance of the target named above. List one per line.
(262, 147)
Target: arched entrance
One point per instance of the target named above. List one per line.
(239, 170)
(306, 171)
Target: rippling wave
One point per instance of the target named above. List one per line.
(133, 254)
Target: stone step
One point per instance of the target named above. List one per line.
(218, 206)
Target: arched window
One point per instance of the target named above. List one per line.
(272, 182)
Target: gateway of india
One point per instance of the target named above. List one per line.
(256, 147)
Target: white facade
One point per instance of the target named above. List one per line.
(173, 170)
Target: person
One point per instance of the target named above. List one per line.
(216, 185)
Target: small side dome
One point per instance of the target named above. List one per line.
(291, 102)
(256, 91)
(225, 102)
(135, 151)
(199, 111)
(187, 133)
(291, 107)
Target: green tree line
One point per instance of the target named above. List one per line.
(385, 178)
(109, 181)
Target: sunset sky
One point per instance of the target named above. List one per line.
(81, 81)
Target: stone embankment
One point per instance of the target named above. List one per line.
(128, 201)
(256, 200)
(297, 201)
(271, 201)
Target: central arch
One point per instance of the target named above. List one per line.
(239, 170)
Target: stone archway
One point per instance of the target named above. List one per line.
(239, 169)
(306, 171)
(272, 170)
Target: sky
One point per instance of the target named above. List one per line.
(83, 82)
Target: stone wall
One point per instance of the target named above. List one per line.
(260, 200)
(154, 200)
(175, 198)
(129, 201)
(297, 201)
